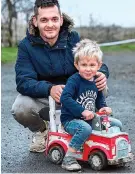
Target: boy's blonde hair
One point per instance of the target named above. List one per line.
(87, 48)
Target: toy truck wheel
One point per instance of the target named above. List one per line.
(97, 160)
(56, 154)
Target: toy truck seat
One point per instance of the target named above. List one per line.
(54, 114)
(55, 124)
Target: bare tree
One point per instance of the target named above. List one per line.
(92, 22)
(10, 10)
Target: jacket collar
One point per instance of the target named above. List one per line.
(35, 39)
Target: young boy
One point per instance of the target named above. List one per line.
(80, 98)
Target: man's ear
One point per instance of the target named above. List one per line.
(35, 21)
(61, 20)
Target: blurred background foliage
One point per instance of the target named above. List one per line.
(15, 15)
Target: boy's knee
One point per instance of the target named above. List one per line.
(120, 125)
(87, 129)
(116, 122)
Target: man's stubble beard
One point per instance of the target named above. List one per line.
(55, 37)
(51, 37)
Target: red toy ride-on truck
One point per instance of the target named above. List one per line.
(105, 146)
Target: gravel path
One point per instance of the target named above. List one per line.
(15, 157)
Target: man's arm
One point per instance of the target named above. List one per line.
(104, 69)
(101, 80)
(100, 101)
(101, 104)
(26, 76)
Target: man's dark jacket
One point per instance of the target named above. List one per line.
(39, 66)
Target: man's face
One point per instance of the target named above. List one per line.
(48, 22)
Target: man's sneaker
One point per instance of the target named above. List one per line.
(70, 163)
(38, 141)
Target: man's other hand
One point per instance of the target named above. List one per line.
(101, 81)
(56, 92)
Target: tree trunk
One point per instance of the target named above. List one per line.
(10, 17)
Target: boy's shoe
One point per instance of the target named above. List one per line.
(70, 163)
(38, 142)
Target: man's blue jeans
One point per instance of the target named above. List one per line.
(81, 130)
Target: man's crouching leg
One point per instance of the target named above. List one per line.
(26, 112)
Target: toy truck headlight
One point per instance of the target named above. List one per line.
(113, 150)
(122, 148)
(122, 144)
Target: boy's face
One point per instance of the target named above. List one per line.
(87, 67)
(48, 22)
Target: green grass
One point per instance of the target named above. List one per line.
(123, 47)
(8, 54)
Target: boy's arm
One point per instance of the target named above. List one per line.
(67, 99)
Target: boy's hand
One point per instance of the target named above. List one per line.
(56, 92)
(106, 110)
(101, 81)
(87, 115)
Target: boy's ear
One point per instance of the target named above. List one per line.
(76, 65)
(34, 21)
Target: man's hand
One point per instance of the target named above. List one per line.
(106, 110)
(87, 115)
(101, 81)
(56, 92)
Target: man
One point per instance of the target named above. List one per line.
(44, 63)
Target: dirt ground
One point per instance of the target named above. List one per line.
(15, 156)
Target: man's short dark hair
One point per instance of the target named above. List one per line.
(45, 3)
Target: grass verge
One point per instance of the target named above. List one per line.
(9, 54)
(123, 47)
